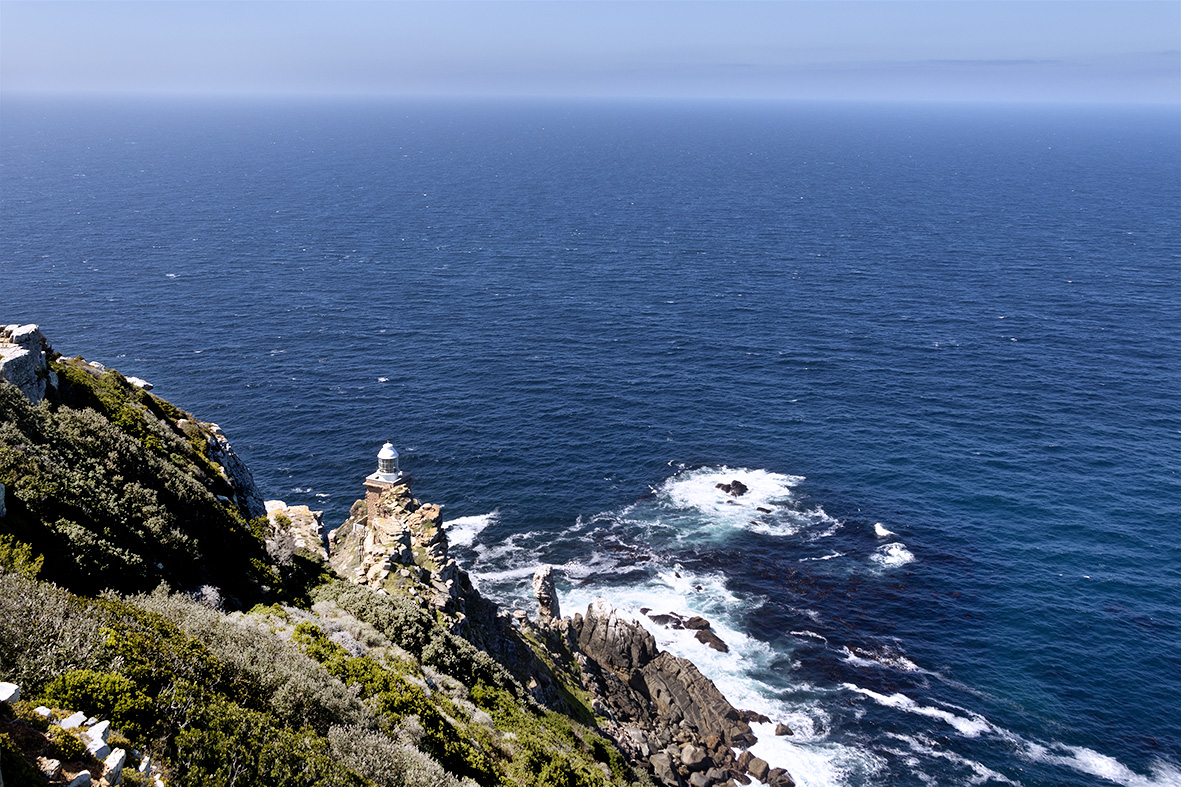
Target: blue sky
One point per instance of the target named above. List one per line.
(1045, 50)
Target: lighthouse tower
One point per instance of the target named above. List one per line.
(387, 475)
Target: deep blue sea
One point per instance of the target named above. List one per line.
(940, 344)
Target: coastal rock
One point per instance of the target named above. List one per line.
(83, 779)
(50, 768)
(677, 688)
(759, 769)
(734, 488)
(547, 596)
(298, 526)
(613, 640)
(246, 492)
(694, 758)
(10, 692)
(707, 637)
(23, 360)
(662, 769)
(783, 729)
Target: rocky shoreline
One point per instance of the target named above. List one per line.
(664, 714)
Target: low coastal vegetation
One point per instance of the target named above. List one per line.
(163, 625)
(136, 586)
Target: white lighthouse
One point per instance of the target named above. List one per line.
(387, 463)
(387, 475)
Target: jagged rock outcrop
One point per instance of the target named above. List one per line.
(546, 594)
(24, 360)
(402, 547)
(679, 691)
(295, 527)
(615, 640)
(246, 492)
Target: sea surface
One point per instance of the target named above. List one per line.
(941, 345)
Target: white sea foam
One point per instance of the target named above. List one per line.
(883, 657)
(463, 530)
(808, 755)
(892, 555)
(972, 726)
(978, 773)
(767, 507)
(1093, 763)
(880, 531)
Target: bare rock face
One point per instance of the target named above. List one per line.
(613, 640)
(678, 689)
(298, 526)
(547, 596)
(246, 492)
(24, 362)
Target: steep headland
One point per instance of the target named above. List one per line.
(225, 639)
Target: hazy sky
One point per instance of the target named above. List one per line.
(1045, 50)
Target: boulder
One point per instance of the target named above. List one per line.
(694, 758)
(735, 488)
(783, 729)
(113, 767)
(700, 780)
(759, 769)
(707, 637)
(99, 732)
(744, 760)
(613, 640)
(50, 768)
(547, 596)
(81, 780)
(10, 693)
(98, 748)
(662, 769)
(779, 777)
(70, 722)
(697, 623)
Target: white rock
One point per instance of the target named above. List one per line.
(81, 780)
(41, 710)
(10, 692)
(113, 767)
(139, 382)
(93, 720)
(70, 722)
(99, 731)
(145, 764)
(99, 749)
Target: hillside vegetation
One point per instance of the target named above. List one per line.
(136, 586)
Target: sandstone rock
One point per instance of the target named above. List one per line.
(547, 595)
(693, 758)
(707, 637)
(81, 780)
(113, 767)
(303, 525)
(50, 768)
(99, 732)
(752, 717)
(677, 688)
(758, 768)
(70, 722)
(10, 692)
(23, 360)
(662, 769)
(717, 775)
(744, 760)
(613, 640)
(783, 729)
(697, 623)
(246, 492)
(700, 780)
(779, 777)
(98, 748)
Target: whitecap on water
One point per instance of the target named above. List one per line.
(892, 555)
(972, 726)
(880, 531)
(1093, 763)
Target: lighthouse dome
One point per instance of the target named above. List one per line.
(387, 462)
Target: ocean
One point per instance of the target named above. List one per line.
(941, 346)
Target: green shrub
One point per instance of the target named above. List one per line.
(18, 558)
(18, 772)
(44, 632)
(102, 694)
(65, 745)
